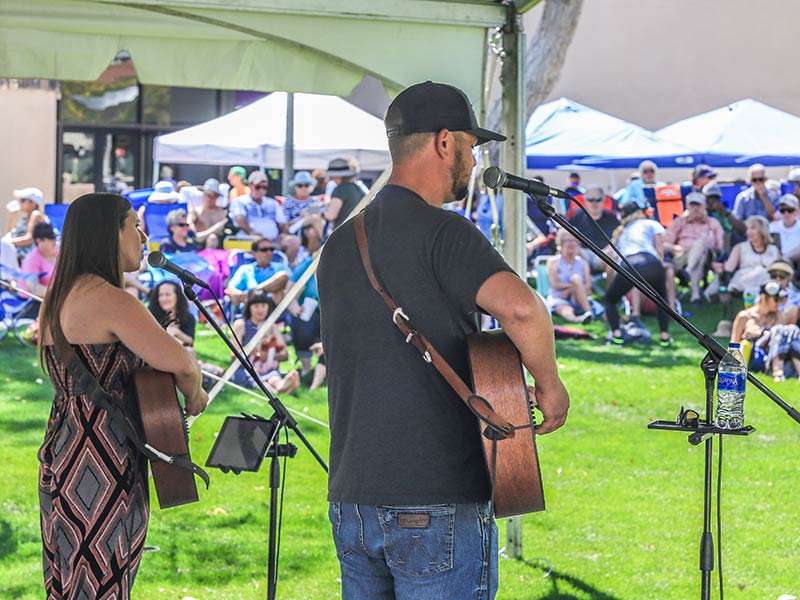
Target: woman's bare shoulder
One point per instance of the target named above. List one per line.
(90, 309)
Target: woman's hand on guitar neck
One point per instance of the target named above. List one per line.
(197, 404)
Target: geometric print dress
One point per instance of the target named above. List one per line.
(93, 488)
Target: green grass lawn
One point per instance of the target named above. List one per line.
(624, 504)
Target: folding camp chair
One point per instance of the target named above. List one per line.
(155, 220)
(56, 214)
(12, 306)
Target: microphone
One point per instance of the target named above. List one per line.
(494, 177)
(159, 261)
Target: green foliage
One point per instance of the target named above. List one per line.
(624, 504)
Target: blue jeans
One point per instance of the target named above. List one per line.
(430, 552)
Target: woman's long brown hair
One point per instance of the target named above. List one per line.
(89, 246)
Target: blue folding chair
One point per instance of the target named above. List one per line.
(729, 193)
(12, 307)
(138, 198)
(56, 213)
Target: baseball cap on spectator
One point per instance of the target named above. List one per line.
(238, 171)
(256, 177)
(629, 208)
(794, 175)
(164, 191)
(712, 189)
(212, 185)
(30, 193)
(302, 177)
(695, 198)
(431, 107)
(789, 200)
(703, 171)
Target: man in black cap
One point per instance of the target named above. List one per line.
(408, 487)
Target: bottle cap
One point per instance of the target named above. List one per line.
(733, 345)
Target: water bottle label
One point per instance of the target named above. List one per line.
(731, 382)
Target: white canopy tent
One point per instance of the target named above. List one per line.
(325, 127)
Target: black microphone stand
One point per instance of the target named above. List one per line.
(280, 418)
(705, 430)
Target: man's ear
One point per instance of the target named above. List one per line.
(444, 142)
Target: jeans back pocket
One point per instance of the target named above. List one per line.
(418, 539)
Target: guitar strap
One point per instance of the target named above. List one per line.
(500, 428)
(85, 383)
(497, 428)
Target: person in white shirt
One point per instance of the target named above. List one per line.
(788, 227)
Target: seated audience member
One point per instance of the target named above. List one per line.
(21, 221)
(258, 215)
(647, 169)
(794, 177)
(607, 221)
(209, 220)
(346, 195)
(320, 372)
(263, 275)
(179, 239)
(574, 184)
(300, 205)
(692, 240)
(236, 177)
(788, 228)
(640, 240)
(320, 182)
(752, 327)
(717, 210)
(305, 307)
(757, 200)
(570, 282)
(749, 260)
(168, 304)
(270, 351)
(38, 265)
(782, 272)
(701, 176)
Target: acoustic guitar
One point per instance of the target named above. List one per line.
(498, 376)
(165, 429)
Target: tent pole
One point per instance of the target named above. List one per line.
(288, 152)
(512, 157)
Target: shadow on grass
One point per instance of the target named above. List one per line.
(8, 540)
(564, 586)
(13, 426)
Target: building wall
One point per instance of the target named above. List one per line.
(28, 151)
(654, 62)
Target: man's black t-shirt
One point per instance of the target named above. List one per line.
(399, 433)
(607, 221)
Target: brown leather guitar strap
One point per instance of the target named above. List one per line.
(85, 383)
(497, 427)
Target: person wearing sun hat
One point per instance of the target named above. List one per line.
(788, 227)
(28, 203)
(782, 271)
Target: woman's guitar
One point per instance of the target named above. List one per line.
(498, 377)
(165, 430)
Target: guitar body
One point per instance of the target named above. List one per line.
(498, 376)
(165, 430)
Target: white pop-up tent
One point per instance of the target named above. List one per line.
(325, 127)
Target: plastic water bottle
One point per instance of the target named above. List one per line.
(731, 379)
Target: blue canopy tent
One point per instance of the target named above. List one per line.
(563, 134)
(740, 134)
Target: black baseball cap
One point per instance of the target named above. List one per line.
(430, 107)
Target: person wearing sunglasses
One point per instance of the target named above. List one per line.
(788, 227)
(783, 272)
(756, 200)
(181, 237)
(594, 201)
(263, 275)
(300, 207)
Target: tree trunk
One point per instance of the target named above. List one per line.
(544, 59)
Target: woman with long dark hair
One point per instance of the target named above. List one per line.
(169, 306)
(93, 488)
